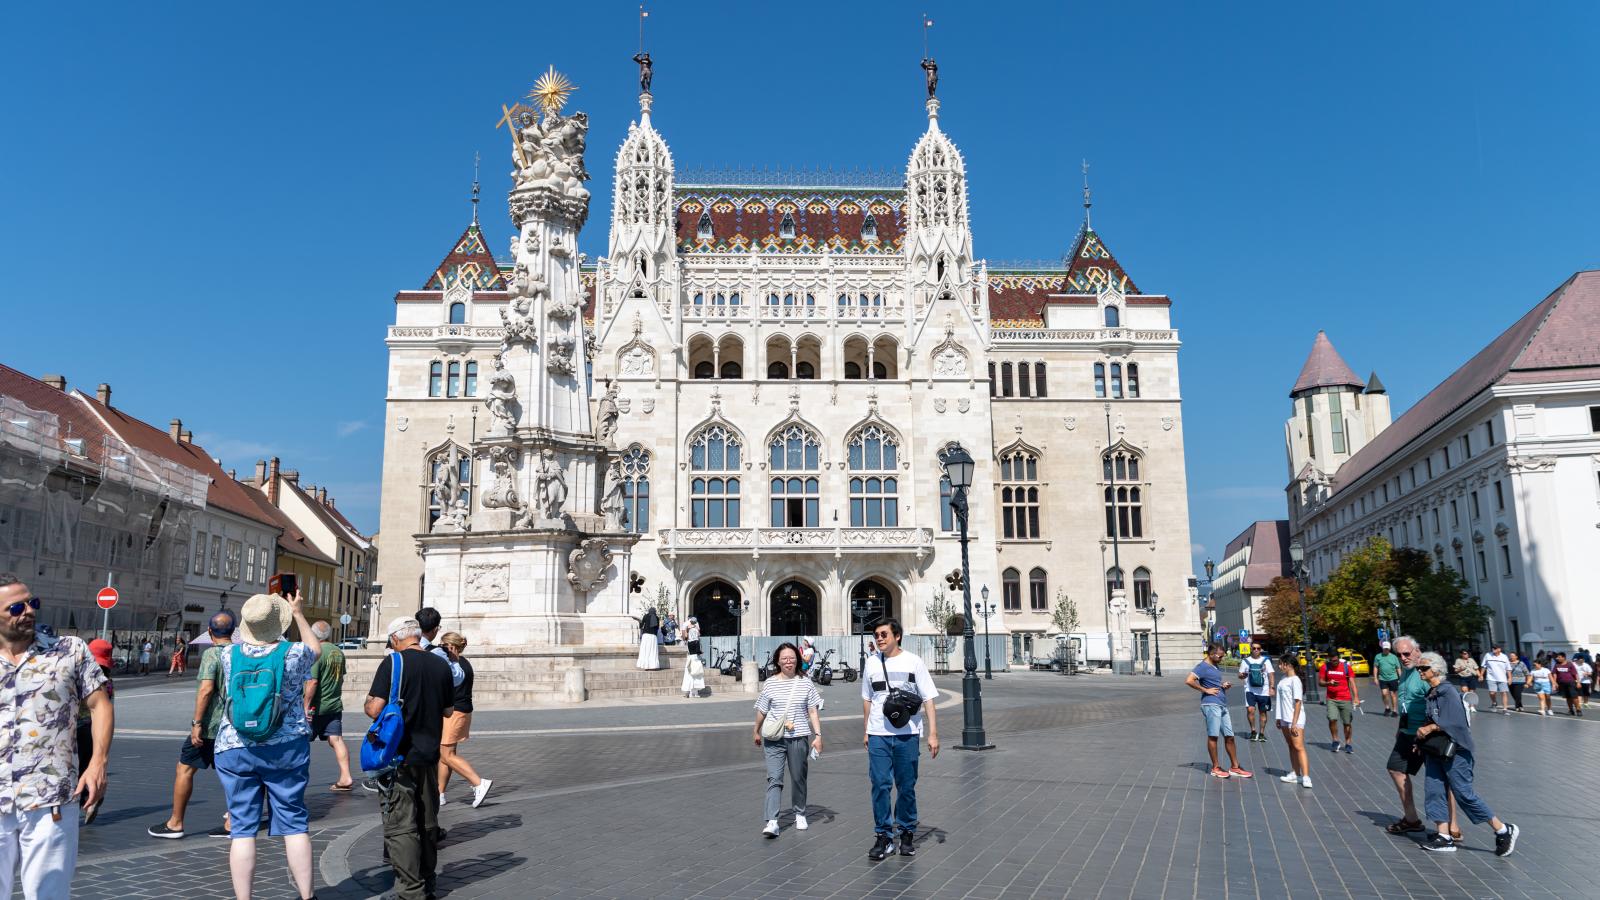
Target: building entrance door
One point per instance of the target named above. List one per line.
(710, 606)
(795, 610)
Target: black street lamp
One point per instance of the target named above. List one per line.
(1156, 612)
(863, 610)
(1297, 556)
(959, 466)
(736, 608)
(986, 609)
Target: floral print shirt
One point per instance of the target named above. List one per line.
(39, 700)
(297, 663)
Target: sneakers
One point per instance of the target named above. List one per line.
(1290, 778)
(1334, 748)
(1237, 772)
(1349, 748)
(881, 847)
(1438, 843)
(1506, 841)
(221, 831)
(1252, 736)
(443, 800)
(771, 831)
(480, 792)
(1305, 781)
(370, 786)
(1219, 772)
(800, 823)
(908, 844)
(162, 831)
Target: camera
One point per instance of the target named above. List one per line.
(284, 584)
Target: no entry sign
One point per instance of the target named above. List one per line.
(107, 597)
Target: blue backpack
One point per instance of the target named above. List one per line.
(380, 752)
(255, 692)
(1258, 674)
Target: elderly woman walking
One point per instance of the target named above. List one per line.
(458, 727)
(786, 715)
(1445, 742)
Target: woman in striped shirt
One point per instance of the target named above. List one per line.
(796, 700)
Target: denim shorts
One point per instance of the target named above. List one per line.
(279, 770)
(1219, 723)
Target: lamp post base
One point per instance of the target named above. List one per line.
(973, 735)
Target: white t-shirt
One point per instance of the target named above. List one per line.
(905, 669)
(1497, 667)
(1289, 690)
(1265, 690)
(1585, 672)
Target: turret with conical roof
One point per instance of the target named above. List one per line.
(1324, 368)
(1335, 414)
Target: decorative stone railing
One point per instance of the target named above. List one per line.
(435, 332)
(1087, 335)
(833, 540)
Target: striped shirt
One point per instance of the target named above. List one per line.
(786, 698)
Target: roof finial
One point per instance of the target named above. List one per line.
(646, 69)
(1086, 201)
(476, 158)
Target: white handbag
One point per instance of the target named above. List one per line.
(773, 728)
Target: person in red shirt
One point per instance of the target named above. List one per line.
(1338, 681)
(1565, 675)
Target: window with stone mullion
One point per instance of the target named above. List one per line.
(636, 489)
(1019, 496)
(1124, 496)
(875, 498)
(714, 498)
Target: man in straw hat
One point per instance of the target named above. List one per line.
(411, 790)
(277, 763)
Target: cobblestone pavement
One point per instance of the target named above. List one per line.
(1098, 788)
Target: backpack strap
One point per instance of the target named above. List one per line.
(398, 666)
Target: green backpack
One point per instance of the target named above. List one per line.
(255, 692)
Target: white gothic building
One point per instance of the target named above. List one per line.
(787, 356)
(1495, 472)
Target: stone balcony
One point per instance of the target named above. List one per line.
(835, 541)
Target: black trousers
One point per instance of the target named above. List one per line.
(411, 827)
(1516, 693)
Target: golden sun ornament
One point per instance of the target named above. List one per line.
(551, 91)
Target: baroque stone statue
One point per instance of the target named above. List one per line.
(611, 498)
(550, 485)
(606, 415)
(549, 154)
(502, 402)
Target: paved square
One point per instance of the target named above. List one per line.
(1098, 788)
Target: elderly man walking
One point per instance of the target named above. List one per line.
(1405, 760)
(199, 749)
(43, 680)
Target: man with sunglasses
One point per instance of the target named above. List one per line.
(199, 748)
(43, 681)
(1411, 703)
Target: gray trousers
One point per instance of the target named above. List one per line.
(793, 752)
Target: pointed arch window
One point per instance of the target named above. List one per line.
(1011, 590)
(703, 231)
(869, 228)
(435, 379)
(452, 382)
(1141, 588)
(636, 489)
(874, 497)
(947, 521)
(1113, 581)
(1124, 495)
(1113, 317)
(1019, 495)
(441, 483)
(458, 313)
(1039, 389)
(795, 499)
(1116, 380)
(1133, 379)
(1005, 380)
(470, 384)
(1038, 591)
(994, 386)
(1099, 379)
(1024, 382)
(786, 227)
(714, 483)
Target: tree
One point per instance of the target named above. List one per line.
(1347, 608)
(1436, 607)
(942, 615)
(1065, 618)
(1279, 617)
(663, 600)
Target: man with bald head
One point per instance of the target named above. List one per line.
(1405, 760)
(198, 750)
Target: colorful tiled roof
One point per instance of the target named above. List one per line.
(1017, 294)
(1090, 266)
(1558, 340)
(789, 220)
(469, 261)
(1325, 368)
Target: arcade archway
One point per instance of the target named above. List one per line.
(710, 606)
(875, 601)
(795, 609)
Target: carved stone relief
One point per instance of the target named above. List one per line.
(586, 566)
(487, 583)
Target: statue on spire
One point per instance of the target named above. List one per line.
(931, 71)
(646, 71)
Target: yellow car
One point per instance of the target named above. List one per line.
(1358, 663)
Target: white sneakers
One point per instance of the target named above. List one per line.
(1290, 778)
(771, 831)
(1305, 781)
(800, 823)
(442, 800)
(480, 792)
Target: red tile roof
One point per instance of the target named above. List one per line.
(293, 540)
(1324, 367)
(1268, 541)
(742, 217)
(1558, 340)
(73, 420)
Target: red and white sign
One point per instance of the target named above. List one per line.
(107, 597)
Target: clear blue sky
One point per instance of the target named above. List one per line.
(211, 206)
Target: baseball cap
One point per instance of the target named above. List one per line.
(402, 624)
(100, 649)
(1384, 645)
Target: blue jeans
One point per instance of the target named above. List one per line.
(892, 764)
(281, 771)
(1442, 777)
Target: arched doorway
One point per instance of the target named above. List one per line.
(710, 606)
(795, 609)
(875, 599)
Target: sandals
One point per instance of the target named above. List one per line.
(1401, 826)
(342, 788)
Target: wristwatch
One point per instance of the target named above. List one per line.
(196, 723)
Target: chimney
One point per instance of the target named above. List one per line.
(272, 482)
(187, 436)
(175, 429)
(103, 394)
(59, 382)
(261, 471)
(292, 476)
(233, 474)
(322, 496)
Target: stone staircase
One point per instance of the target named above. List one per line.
(516, 678)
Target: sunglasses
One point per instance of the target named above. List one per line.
(17, 608)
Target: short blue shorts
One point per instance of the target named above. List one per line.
(283, 770)
(1218, 721)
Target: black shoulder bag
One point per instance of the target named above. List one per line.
(901, 704)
